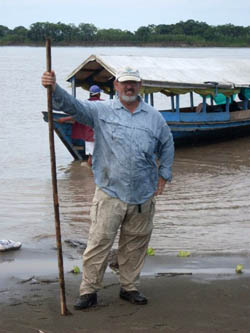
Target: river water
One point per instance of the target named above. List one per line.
(205, 210)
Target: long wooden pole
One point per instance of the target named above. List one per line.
(64, 310)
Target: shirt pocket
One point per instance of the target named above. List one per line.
(110, 126)
(145, 142)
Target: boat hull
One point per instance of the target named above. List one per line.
(190, 132)
(184, 133)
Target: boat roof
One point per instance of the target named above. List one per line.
(166, 74)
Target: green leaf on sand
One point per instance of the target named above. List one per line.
(183, 254)
(239, 269)
(150, 251)
(76, 270)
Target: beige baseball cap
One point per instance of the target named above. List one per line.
(128, 74)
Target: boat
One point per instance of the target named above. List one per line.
(216, 92)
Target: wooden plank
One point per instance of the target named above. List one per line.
(240, 115)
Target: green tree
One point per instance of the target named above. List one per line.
(163, 29)
(194, 28)
(142, 34)
(19, 34)
(38, 31)
(4, 31)
(113, 35)
(86, 31)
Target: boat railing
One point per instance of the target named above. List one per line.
(194, 116)
(204, 112)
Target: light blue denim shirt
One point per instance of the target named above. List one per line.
(126, 145)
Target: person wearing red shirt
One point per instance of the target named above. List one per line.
(84, 132)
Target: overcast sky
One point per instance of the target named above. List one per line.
(125, 15)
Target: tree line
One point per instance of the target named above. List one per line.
(189, 33)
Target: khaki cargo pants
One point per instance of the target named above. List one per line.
(108, 214)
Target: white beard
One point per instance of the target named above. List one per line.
(128, 99)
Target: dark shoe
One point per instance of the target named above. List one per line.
(86, 301)
(133, 297)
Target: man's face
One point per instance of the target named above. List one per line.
(128, 90)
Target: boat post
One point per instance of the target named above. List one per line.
(211, 100)
(227, 104)
(204, 104)
(172, 103)
(192, 100)
(177, 103)
(245, 104)
(64, 310)
(112, 93)
(73, 86)
(152, 99)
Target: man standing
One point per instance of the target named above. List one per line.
(129, 136)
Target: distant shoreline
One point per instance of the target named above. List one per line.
(117, 44)
(188, 33)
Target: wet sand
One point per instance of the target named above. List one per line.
(182, 298)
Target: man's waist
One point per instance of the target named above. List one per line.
(129, 198)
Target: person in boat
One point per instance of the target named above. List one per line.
(81, 131)
(129, 136)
